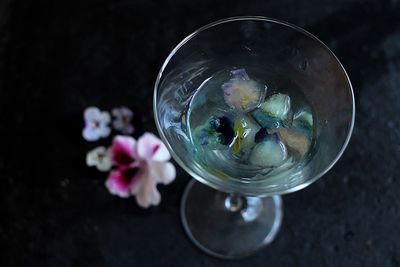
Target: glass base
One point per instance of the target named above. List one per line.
(228, 226)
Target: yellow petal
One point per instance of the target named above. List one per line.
(238, 129)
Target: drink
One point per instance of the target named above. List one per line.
(243, 105)
(244, 123)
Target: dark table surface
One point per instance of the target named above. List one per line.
(58, 57)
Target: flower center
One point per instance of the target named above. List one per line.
(126, 119)
(129, 174)
(123, 158)
(100, 156)
(94, 124)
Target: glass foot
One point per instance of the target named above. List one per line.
(228, 226)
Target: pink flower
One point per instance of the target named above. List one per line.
(141, 165)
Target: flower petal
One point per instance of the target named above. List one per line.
(105, 165)
(118, 124)
(116, 112)
(105, 117)
(126, 112)
(147, 193)
(122, 111)
(124, 128)
(128, 129)
(91, 113)
(92, 156)
(121, 181)
(104, 131)
(163, 172)
(123, 150)
(240, 74)
(150, 147)
(90, 134)
(117, 185)
(122, 121)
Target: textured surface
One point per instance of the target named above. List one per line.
(57, 57)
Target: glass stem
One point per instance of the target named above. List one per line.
(234, 202)
(249, 207)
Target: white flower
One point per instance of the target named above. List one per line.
(122, 122)
(100, 158)
(96, 124)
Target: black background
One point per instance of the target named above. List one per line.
(58, 57)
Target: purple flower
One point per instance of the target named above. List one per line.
(122, 122)
(96, 124)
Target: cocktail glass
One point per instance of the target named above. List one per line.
(232, 218)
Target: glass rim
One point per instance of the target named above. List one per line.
(232, 189)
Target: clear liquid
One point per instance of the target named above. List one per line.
(226, 160)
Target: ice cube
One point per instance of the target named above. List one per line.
(245, 129)
(242, 93)
(295, 140)
(216, 131)
(206, 137)
(277, 106)
(303, 119)
(269, 153)
(265, 120)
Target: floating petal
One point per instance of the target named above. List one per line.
(215, 132)
(245, 129)
(240, 74)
